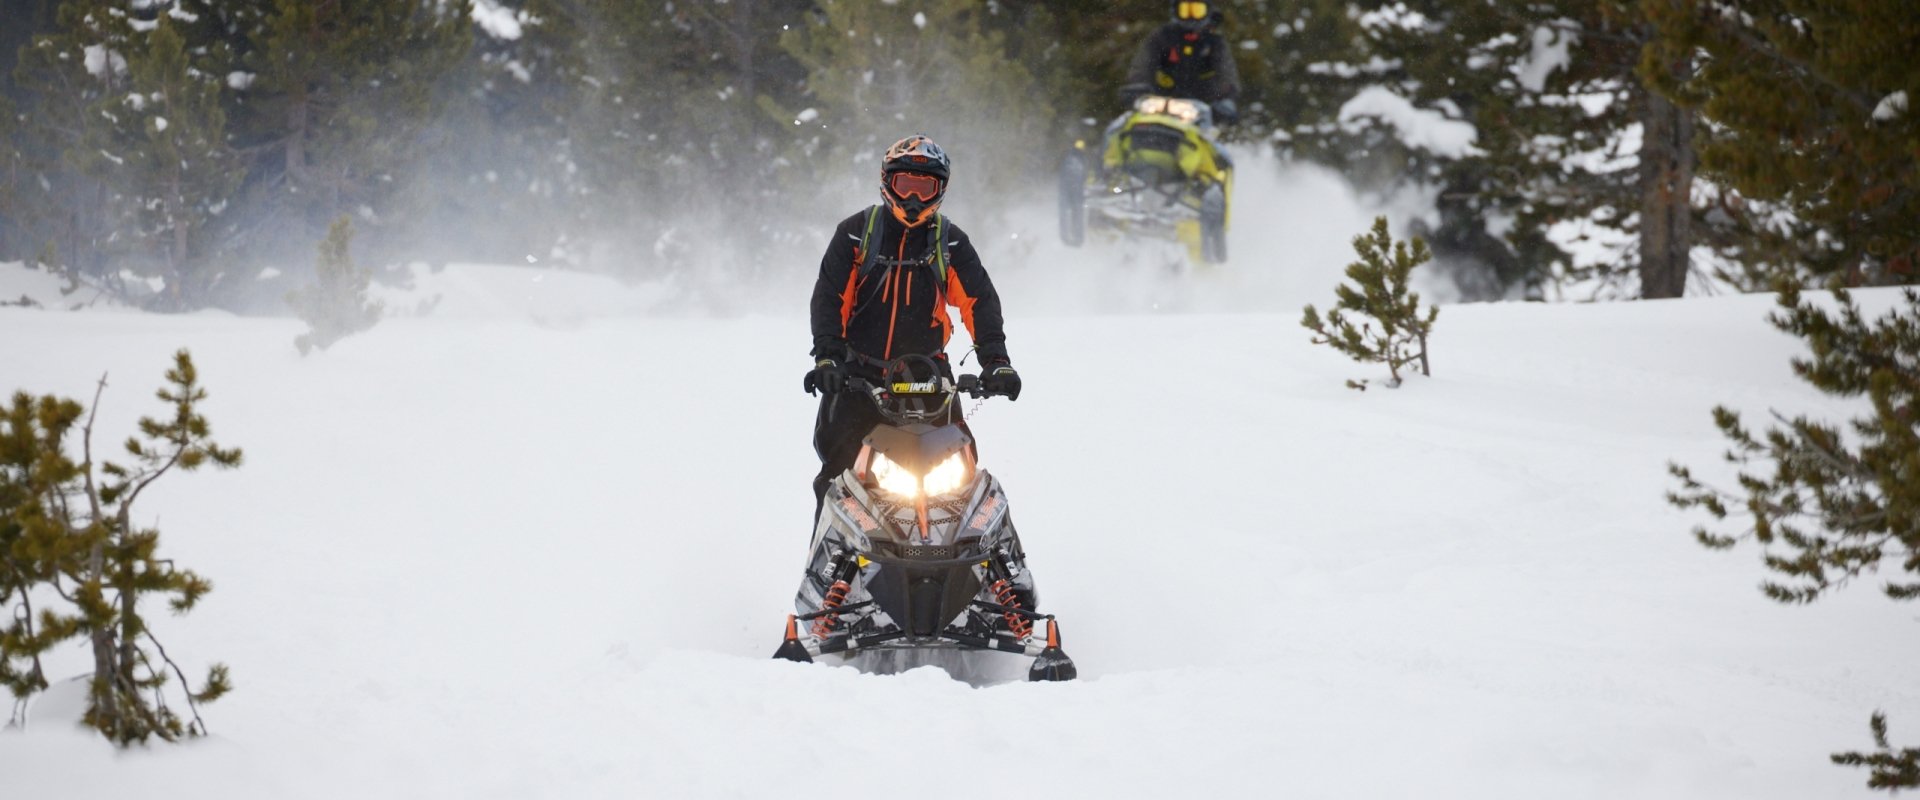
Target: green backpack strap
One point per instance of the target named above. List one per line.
(866, 242)
(939, 247)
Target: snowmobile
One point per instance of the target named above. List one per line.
(914, 548)
(1160, 173)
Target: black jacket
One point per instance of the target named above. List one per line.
(1180, 64)
(898, 310)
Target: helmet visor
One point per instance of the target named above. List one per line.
(1192, 11)
(914, 185)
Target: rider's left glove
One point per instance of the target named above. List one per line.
(828, 376)
(1001, 380)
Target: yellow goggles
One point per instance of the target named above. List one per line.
(1193, 11)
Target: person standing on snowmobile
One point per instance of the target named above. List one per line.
(888, 277)
(1187, 58)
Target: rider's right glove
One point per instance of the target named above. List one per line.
(828, 376)
(1001, 380)
(1226, 112)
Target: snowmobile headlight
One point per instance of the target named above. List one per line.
(1184, 110)
(893, 478)
(946, 477)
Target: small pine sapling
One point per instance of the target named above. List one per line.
(1379, 292)
(1828, 505)
(72, 533)
(337, 306)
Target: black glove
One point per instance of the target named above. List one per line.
(1226, 112)
(1001, 380)
(828, 376)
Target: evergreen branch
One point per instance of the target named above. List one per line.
(193, 705)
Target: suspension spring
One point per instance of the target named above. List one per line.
(836, 594)
(1003, 594)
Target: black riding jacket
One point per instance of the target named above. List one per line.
(1181, 64)
(898, 310)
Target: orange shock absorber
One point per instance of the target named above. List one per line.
(836, 594)
(1003, 594)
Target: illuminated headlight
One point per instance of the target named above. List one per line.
(893, 478)
(1186, 110)
(946, 477)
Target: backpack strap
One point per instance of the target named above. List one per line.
(938, 246)
(936, 257)
(867, 255)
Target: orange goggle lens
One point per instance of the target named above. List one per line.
(1193, 10)
(915, 185)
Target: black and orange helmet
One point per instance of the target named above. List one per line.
(913, 179)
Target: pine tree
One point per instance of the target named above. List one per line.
(880, 72)
(336, 306)
(161, 149)
(73, 531)
(62, 76)
(1555, 94)
(1379, 291)
(334, 108)
(1813, 133)
(1827, 506)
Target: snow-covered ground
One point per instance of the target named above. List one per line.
(539, 544)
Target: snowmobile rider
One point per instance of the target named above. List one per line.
(1187, 58)
(888, 277)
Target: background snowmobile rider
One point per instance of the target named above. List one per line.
(1187, 58)
(888, 277)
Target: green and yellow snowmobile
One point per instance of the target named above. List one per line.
(1159, 173)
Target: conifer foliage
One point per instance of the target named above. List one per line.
(72, 545)
(337, 306)
(1379, 291)
(1835, 505)
(1830, 506)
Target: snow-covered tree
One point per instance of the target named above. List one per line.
(161, 148)
(1553, 160)
(332, 106)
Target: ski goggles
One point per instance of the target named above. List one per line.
(915, 185)
(1192, 10)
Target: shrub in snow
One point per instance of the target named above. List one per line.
(337, 306)
(1828, 506)
(1379, 291)
(67, 538)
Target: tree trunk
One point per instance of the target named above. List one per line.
(1666, 189)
